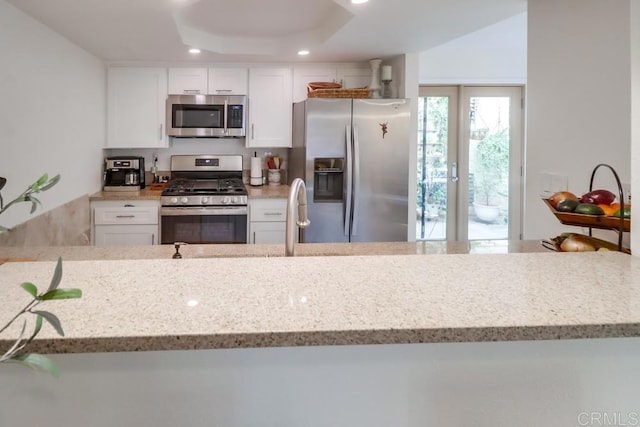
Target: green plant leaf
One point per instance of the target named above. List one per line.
(37, 362)
(31, 288)
(52, 319)
(15, 347)
(3, 229)
(44, 178)
(36, 329)
(57, 276)
(53, 181)
(69, 293)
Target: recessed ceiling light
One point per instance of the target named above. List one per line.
(358, 1)
(303, 52)
(194, 50)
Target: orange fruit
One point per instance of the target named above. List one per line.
(609, 209)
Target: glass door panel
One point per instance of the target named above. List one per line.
(488, 144)
(492, 147)
(436, 128)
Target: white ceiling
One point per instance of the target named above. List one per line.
(263, 30)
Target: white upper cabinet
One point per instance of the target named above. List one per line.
(187, 81)
(136, 103)
(303, 76)
(228, 81)
(351, 78)
(211, 81)
(270, 107)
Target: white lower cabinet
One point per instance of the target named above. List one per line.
(125, 223)
(267, 232)
(267, 220)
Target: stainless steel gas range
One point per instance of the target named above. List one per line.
(205, 201)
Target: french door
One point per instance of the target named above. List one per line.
(469, 163)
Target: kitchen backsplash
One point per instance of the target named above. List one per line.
(65, 225)
(200, 146)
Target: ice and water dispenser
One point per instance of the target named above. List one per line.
(328, 179)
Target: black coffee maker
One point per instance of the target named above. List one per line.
(123, 173)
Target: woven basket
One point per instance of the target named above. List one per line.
(339, 93)
(323, 85)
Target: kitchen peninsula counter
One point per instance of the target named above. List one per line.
(87, 253)
(208, 303)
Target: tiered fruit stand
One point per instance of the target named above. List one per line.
(620, 225)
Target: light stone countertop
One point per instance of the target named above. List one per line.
(79, 253)
(145, 194)
(204, 303)
(258, 192)
(268, 191)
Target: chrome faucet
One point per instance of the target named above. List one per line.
(298, 191)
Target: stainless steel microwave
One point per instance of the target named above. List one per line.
(206, 116)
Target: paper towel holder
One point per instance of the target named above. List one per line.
(256, 171)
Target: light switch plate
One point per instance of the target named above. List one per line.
(559, 183)
(551, 183)
(626, 189)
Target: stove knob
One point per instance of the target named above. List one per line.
(174, 200)
(236, 200)
(226, 200)
(204, 200)
(184, 200)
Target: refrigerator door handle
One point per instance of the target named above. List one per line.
(347, 210)
(356, 179)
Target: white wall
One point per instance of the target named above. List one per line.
(496, 54)
(52, 114)
(578, 100)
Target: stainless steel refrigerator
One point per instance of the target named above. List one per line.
(353, 155)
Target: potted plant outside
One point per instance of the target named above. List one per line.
(491, 166)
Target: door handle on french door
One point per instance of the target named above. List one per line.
(454, 172)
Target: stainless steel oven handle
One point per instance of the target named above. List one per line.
(235, 210)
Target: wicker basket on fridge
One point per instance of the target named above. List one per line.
(334, 90)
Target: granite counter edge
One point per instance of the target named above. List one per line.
(330, 338)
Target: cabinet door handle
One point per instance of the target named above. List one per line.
(153, 239)
(273, 214)
(191, 91)
(224, 90)
(125, 216)
(253, 132)
(160, 134)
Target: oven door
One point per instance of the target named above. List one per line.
(203, 224)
